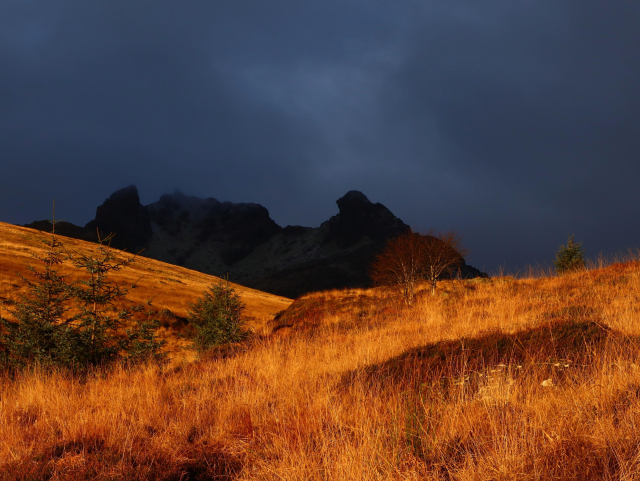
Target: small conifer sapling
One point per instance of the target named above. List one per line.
(40, 329)
(569, 257)
(105, 331)
(217, 318)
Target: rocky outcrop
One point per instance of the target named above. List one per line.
(206, 234)
(66, 229)
(358, 218)
(242, 240)
(123, 215)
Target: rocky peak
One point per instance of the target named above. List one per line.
(359, 217)
(352, 199)
(128, 196)
(123, 215)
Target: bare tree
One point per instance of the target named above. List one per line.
(401, 264)
(412, 257)
(443, 255)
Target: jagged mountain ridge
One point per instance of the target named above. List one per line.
(242, 240)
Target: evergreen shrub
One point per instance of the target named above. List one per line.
(217, 318)
(569, 257)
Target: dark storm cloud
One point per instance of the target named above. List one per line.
(540, 109)
(108, 93)
(513, 122)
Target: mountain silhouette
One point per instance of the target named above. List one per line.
(241, 240)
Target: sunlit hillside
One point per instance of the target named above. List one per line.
(170, 288)
(501, 379)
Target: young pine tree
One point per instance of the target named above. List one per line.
(40, 329)
(569, 257)
(217, 318)
(104, 332)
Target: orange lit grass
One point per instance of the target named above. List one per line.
(320, 399)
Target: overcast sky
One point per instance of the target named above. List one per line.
(514, 122)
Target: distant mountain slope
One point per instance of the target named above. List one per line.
(242, 240)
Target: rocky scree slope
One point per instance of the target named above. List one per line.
(242, 240)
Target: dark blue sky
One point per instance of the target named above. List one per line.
(514, 122)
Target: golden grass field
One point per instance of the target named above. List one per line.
(501, 379)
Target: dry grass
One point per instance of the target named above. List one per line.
(170, 288)
(530, 379)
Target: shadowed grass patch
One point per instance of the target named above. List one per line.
(553, 347)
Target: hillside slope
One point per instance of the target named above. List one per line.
(170, 288)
